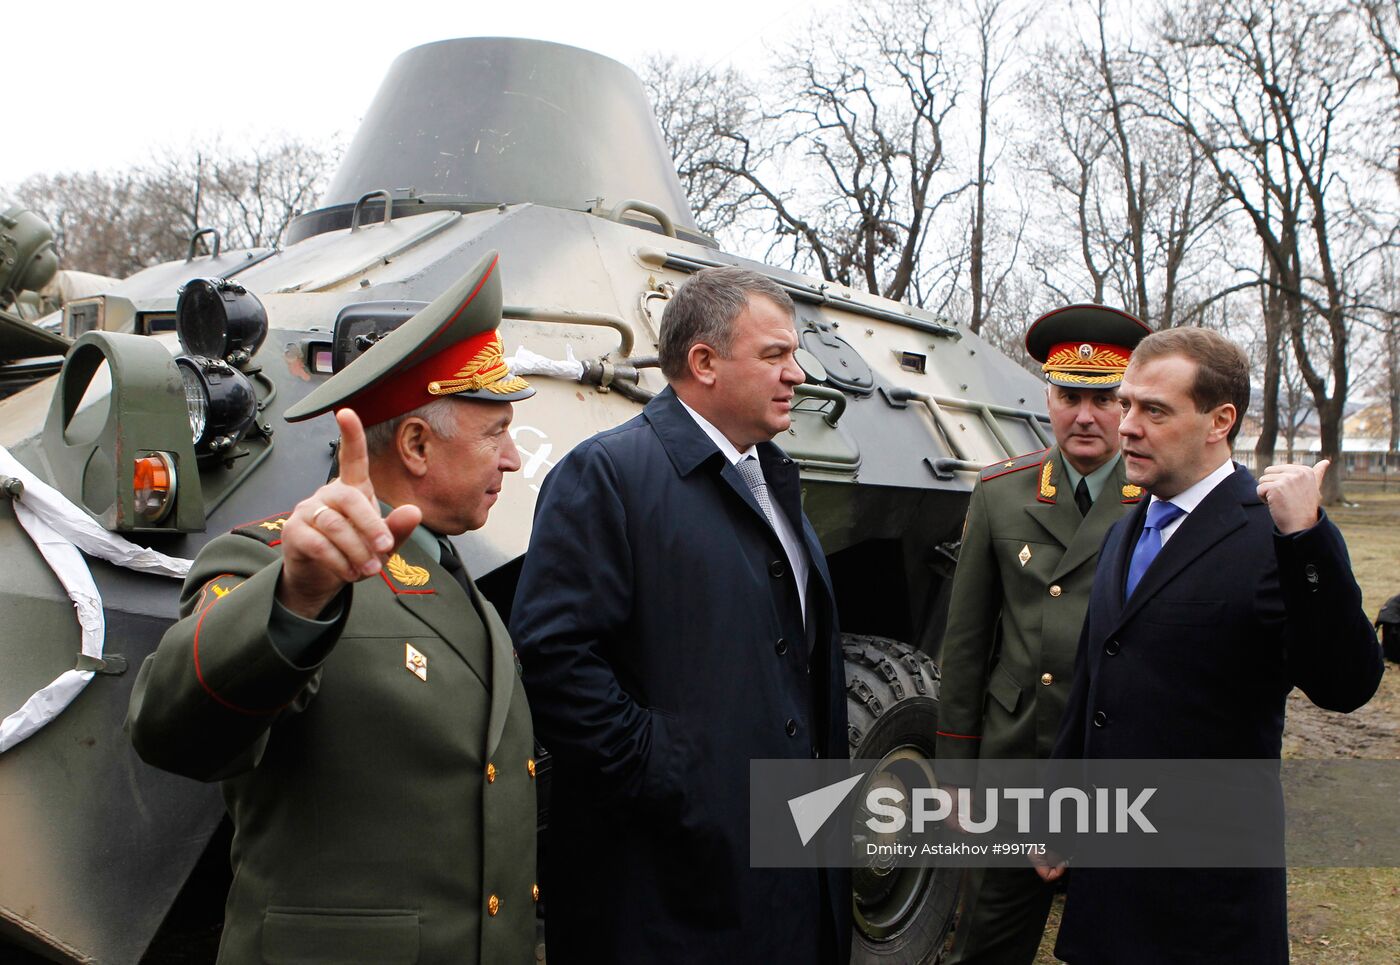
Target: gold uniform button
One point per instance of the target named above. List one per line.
(491, 779)
(493, 905)
(1055, 590)
(1047, 679)
(535, 892)
(530, 766)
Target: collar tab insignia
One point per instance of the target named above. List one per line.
(406, 573)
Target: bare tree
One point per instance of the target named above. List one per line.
(1263, 87)
(998, 36)
(848, 169)
(702, 112)
(116, 224)
(1141, 196)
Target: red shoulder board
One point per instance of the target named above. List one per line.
(267, 530)
(1015, 464)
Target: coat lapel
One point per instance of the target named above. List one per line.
(502, 670)
(1088, 538)
(1217, 516)
(432, 602)
(1054, 509)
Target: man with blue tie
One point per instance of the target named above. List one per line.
(1211, 602)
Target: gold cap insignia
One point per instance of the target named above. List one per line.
(1025, 555)
(415, 662)
(406, 573)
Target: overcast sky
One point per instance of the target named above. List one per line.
(100, 85)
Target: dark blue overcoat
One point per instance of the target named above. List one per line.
(664, 647)
(1198, 663)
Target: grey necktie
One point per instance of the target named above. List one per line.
(753, 478)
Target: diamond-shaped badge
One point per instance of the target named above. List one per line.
(416, 663)
(1025, 555)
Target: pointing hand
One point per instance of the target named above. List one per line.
(336, 536)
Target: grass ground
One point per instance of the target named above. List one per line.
(1342, 916)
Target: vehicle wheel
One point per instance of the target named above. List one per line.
(901, 914)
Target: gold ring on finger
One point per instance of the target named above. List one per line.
(317, 514)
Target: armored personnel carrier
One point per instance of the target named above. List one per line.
(164, 428)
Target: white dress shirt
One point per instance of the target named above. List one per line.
(1191, 497)
(792, 542)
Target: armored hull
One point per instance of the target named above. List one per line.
(97, 845)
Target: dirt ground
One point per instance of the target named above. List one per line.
(1342, 916)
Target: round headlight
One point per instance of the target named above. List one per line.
(196, 402)
(220, 400)
(220, 319)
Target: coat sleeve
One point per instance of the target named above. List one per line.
(203, 702)
(1330, 645)
(973, 613)
(573, 605)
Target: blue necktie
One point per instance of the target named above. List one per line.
(1149, 544)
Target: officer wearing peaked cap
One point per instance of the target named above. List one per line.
(337, 671)
(1034, 526)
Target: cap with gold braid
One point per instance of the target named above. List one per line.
(1085, 346)
(450, 348)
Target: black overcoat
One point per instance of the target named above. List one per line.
(1198, 663)
(664, 647)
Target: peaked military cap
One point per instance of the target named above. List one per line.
(1085, 346)
(450, 348)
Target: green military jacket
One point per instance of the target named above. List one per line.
(1019, 598)
(382, 795)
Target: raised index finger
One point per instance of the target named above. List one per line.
(354, 454)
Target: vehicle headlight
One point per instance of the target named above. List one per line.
(220, 401)
(220, 319)
(196, 402)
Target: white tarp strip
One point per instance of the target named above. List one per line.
(525, 362)
(59, 529)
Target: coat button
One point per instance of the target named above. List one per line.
(493, 905)
(1047, 679)
(791, 727)
(490, 773)
(1310, 572)
(1055, 590)
(1111, 648)
(1100, 718)
(530, 766)
(777, 569)
(535, 892)
(780, 646)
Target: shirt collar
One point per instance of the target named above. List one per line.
(717, 437)
(1095, 479)
(1189, 498)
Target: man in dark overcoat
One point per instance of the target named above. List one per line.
(675, 620)
(1033, 531)
(1211, 602)
(354, 694)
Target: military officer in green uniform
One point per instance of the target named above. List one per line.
(359, 701)
(1032, 536)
